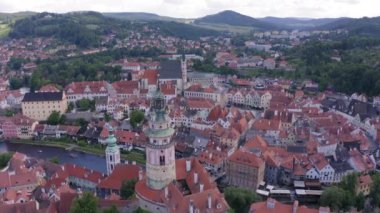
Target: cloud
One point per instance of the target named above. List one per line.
(197, 8)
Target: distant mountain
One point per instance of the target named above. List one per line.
(140, 16)
(360, 26)
(298, 23)
(233, 18)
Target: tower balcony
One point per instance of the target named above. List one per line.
(160, 146)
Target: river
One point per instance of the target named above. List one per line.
(90, 161)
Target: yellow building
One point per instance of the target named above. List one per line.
(364, 185)
(40, 105)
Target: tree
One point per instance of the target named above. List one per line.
(15, 83)
(349, 183)
(127, 189)
(336, 198)
(81, 122)
(70, 107)
(54, 160)
(4, 159)
(112, 209)
(360, 201)
(240, 199)
(84, 104)
(375, 190)
(140, 210)
(9, 112)
(136, 118)
(62, 120)
(15, 63)
(85, 204)
(54, 118)
(107, 117)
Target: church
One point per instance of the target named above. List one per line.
(174, 72)
(171, 185)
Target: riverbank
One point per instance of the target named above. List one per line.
(136, 156)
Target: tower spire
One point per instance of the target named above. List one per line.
(112, 150)
(158, 82)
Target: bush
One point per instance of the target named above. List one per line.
(4, 159)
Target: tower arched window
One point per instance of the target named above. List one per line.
(111, 158)
(162, 160)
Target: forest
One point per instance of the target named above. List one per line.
(349, 65)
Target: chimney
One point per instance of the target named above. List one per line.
(191, 207)
(166, 192)
(271, 203)
(140, 175)
(324, 210)
(209, 201)
(295, 206)
(195, 177)
(201, 187)
(188, 165)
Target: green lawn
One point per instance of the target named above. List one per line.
(225, 27)
(4, 30)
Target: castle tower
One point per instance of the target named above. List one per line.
(160, 152)
(112, 151)
(184, 72)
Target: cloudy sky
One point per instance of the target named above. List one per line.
(197, 8)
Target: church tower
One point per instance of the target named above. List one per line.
(184, 72)
(160, 152)
(112, 151)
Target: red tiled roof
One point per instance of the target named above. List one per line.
(124, 136)
(256, 142)
(151, 75)
(70, 130)
(265, 124)
(122, 172)
(80, 87)
(72, 170)
(125, 87)
(273, 206)
(66, 201)
(168, 89)
(217, 112)
(27, 207)
(241, 156)
(365, 179)
(48, 88)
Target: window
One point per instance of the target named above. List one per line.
(162, 160)
(110, 157)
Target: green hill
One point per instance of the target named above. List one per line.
(141, 16)
(360, 26)
(232, 18)
(298, 23)
(12, 17)
(86, 28)
(83, 29)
